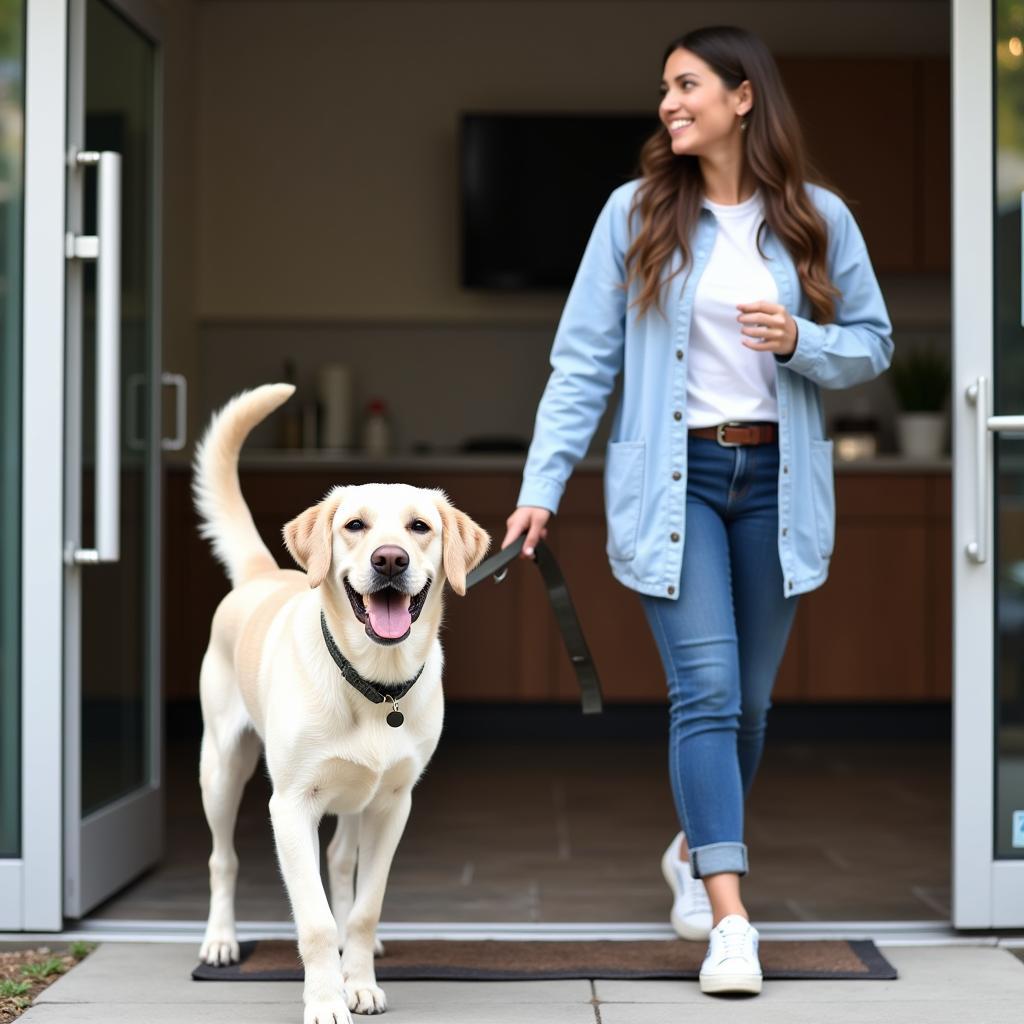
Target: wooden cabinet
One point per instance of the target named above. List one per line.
(879, 630)
(881, 627)
(879, 130)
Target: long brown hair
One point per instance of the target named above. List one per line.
(668, 200)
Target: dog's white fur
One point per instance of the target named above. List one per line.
(267, 675)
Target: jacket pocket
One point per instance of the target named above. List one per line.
(823, 495)
(623, 496)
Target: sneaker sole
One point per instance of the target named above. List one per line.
(739, 983)
(682, 929)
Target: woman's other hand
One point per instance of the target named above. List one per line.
(772, 326)
(530, 520)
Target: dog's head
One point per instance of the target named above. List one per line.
(387, 548)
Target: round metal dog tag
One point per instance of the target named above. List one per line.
(395, 719)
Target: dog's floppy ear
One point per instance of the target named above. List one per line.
(463, 544)
(308, 538)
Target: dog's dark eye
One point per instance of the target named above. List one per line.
(355, 525)
(418, 526)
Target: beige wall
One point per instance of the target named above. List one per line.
(180, 190)
(326, 160)
(312, 187)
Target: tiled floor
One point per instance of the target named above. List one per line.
(573, 831)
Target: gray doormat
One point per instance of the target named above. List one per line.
(489, 960)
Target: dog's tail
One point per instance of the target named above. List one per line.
(225, 518)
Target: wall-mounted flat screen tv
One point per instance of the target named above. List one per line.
(532, 187)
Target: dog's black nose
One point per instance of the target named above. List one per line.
(390, 560)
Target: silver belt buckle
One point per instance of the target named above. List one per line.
(720, 430)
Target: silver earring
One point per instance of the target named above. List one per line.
(743, 124)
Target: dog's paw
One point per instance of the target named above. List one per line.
(326, 1013)
(365, 998)
(219, 949)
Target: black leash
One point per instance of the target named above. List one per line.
(561, 604)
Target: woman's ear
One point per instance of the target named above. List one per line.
(746, 97)
(463, 544)
(309, 538)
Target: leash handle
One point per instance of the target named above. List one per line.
(561, 605)
(496, 563)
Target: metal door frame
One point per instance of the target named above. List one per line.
(35, 880)
(32, 885)
(97, 860)
(987, 893)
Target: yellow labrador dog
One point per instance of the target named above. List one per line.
(337, 670)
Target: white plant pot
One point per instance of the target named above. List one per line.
(921, 435)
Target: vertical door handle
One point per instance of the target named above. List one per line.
(978, 395)
(180, 384)
(105, 248)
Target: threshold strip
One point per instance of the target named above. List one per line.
(884, 933)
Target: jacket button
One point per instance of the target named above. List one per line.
(790, 584)
(785, 469)
(671, 591)
(785, 531)
(679, 353)
(675, 538)
(677, 416)
(676, 475)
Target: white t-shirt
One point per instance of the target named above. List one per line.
(725, 380)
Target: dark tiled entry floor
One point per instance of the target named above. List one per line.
(572, 831)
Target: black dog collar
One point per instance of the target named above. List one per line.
(395, 694)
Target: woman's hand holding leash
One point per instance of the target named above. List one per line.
(771, 324)
(530, 520)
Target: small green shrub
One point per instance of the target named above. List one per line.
(44, 969)
(80, 949)
(9, 988)
(921, 380)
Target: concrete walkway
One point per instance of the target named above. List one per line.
(149, 982)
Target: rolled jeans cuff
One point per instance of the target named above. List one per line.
(716, 858)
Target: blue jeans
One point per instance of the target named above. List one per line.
(721, 643)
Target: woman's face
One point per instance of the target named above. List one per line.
(696, 108)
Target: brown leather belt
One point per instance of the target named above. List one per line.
(732, 435)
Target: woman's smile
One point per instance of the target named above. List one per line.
(678, 125)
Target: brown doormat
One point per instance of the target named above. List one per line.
(490, 960)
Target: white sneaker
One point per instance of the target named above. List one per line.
(731, 964)
(691, 911)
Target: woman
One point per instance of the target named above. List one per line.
(727, 289)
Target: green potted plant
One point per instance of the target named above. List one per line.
(921, 380)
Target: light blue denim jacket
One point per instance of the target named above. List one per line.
(645, 467)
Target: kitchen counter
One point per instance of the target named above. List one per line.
(462, 462)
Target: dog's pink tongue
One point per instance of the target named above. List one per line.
(389, 613)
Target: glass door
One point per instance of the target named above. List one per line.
(988, 174)
(12, 111)
(112, 779)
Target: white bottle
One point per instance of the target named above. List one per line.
(334, 390)
(377, 429)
